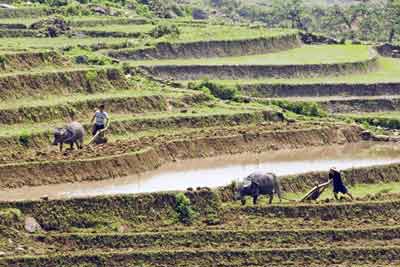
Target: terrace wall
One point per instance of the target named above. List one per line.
(218, 48)
(322, 89)
(235, 72)
(60, 82)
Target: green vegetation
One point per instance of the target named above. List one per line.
(164, 30)
(305, 55)
(302, 108)
(220, 91)
(356, 20)
(59, 42)
(144, 28)
(186, 214)
(390, 120)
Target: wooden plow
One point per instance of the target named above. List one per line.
(99, 134)
(315, 192)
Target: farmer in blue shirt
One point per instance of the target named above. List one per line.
(338, 185)
(100, 119)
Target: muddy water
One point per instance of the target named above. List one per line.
(219, 171)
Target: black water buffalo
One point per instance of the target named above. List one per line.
(72, 134)
(259, 183)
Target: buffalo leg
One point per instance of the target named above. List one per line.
(271, 197)
(255, 194)
(72, 146)
(78, 145)
(243, 200)
(255, 197)
(61, 147)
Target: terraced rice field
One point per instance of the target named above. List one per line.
(155, 121)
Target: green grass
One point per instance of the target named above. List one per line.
(120, 28)
(27, 20)
(59, 42)
(358, 190)
(389, 115)
(53, 100)
(313, 54)
(389, 69)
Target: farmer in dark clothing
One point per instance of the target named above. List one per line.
(338, 185)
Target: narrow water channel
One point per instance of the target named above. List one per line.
(218, 171)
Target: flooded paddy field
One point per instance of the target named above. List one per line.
(220, 171)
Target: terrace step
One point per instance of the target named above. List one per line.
(25, 61)
(209, 49)
(80, 106)
(343, 104)
(63, 82)
(181, 240)
(324, 256)
(289, 64)
(320, 90)
(39, 134)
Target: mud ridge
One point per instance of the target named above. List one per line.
(203, 49)
(235, 72)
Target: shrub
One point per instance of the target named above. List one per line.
(218, 90)
(2, 61)
(301, 108)
(24, 138)
(163, 30)
(184, 210)
(91, 75)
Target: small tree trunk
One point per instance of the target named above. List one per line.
(391, 35)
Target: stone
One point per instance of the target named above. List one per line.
(82, 59)
(7, 6)
(31, 225)
(199, 14)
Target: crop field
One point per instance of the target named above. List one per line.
(181, 89)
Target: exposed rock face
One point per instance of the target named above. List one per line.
(198, 13)
(51, 27)
(310, 38)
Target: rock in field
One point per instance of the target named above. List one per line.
(31, 225)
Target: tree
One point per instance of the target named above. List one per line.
(392, 16)
(293, 11)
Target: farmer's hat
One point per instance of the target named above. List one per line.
(334, 169)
